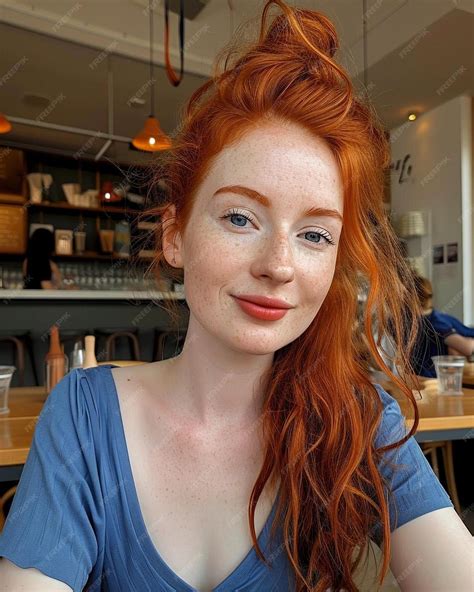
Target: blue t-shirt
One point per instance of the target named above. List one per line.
(76, 517)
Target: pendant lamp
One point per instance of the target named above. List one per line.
(151, 138)
(5, 125)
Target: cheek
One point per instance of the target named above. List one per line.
(209, 265)
(316, 280)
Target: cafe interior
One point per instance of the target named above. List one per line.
(90, 98)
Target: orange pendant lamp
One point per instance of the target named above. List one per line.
(151, 138)
(5, 125)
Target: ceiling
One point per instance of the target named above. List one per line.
(89, 62)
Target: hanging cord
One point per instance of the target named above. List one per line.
(230, 3)
(365, 50)
(172, 77)
(152, 82)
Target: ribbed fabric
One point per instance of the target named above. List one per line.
(76, 517)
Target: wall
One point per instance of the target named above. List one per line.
(432, 171)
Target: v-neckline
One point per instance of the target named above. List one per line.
(146, 544)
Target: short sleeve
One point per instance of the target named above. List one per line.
(454, 323)
(55, 522)
(442, 325)
(415, 489)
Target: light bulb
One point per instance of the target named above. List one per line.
(151, 141)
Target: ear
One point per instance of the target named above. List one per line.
(171, 238)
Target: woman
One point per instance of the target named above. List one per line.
(39, 271)
(439, 334)
(266, 423)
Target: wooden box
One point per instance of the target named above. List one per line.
(12, 176)
(13, 237)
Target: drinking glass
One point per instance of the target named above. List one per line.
(449, 370)
(6, 374)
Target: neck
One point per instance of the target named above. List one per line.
(214, 384)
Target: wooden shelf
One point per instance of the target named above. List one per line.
(91, 255)
(63, 205)
(86, 255)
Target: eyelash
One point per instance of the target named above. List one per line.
(248, 217)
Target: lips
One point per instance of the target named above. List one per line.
(265, 301)
(264, 313)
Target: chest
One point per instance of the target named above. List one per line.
(193, 490)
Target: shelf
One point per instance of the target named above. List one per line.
(64, 205)
(7, 294)
(86, 255)
(91, 255)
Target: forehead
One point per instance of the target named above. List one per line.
(281, 161)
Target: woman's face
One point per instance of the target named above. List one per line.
(235, 245)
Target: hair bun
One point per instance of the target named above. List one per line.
(299, 30)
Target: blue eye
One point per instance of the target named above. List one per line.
(237, 214)
(247, 218)
(327, 238)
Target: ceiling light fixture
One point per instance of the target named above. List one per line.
(5, 125)
(151, 138)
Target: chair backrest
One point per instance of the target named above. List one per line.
(7, 496)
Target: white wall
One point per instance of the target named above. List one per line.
(439, 143)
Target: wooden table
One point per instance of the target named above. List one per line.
(17, 428)
(442, 417)
(468, 375)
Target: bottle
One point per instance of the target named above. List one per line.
(90, 361)
(55, 360)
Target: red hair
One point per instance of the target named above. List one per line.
(321, 411)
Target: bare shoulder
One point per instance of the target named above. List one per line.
(142, 385)
(140, 374)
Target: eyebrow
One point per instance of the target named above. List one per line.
(265, 201)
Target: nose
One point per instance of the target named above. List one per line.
(275, 260)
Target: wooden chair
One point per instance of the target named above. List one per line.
(161, 338)
(430, 449)
(113, 335)
(22, 343)
(3, 501)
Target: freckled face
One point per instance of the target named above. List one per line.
(235, 245)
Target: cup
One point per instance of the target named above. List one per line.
(6, 374)
(106, 240)
(449, 370)
(80, 241)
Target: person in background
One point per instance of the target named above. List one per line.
(440, 334)
(39, 271)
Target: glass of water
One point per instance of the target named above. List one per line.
(6, 374)
(449, 370)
